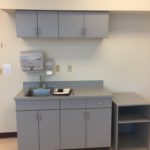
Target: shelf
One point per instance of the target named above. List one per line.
(129, 141)
(132, 118)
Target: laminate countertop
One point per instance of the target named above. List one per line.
(129, 99)
(77, 92)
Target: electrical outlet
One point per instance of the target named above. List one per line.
(69, 68)
(57, 68)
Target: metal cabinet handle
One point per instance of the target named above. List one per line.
(35, 31)
(40, 117)
(84, 32)
(38, 31)
(37, 116)
(87, 115)
(99, 103)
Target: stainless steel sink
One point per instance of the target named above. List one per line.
(39, 92)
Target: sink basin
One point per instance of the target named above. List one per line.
(39, 92)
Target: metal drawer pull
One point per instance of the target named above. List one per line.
(87, 115)
(37, 116)
(99, 103)
(40, 116)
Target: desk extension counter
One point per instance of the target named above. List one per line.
(131, 122)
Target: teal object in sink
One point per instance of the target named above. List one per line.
(39, 92)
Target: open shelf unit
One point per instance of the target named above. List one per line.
(131, 122)
(133, 114)
(133, 136)
(129, 141)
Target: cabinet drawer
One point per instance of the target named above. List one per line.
(98, 103)
(72, 103)
(37, 104)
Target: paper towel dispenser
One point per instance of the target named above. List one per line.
(32, 60)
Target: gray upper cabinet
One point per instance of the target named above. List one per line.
(96, 24)
(33, 24)
(47, 24)
(71, 24)
(83, 24)
(26, 23)
(63, 24)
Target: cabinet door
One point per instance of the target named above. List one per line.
(47, 24)
(99, 127)
(49, 130)
(70, 24)
(27, 129)
(96, 24)
(72, 129)
(26, 22)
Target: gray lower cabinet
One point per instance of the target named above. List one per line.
(49, 130)
(85, 123)
(67, 123)
(98, 127)
(38, 130)
(33, 24)
(28, 130)
(72, 129)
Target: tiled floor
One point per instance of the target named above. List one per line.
(8, 144)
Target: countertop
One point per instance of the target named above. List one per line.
(129, 99)
(78, 92)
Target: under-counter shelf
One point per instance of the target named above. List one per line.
(136, 116)
(132, 118)
(129, 141)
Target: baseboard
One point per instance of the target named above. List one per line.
(8, 135)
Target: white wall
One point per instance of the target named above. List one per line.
(122, 60)
(125, 5)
